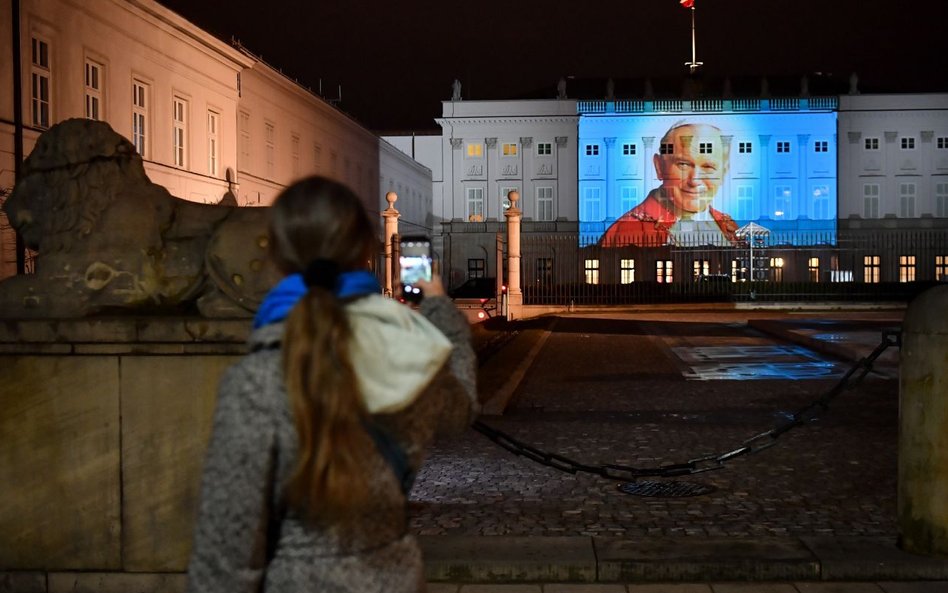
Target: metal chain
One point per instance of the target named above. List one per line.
(755, 444)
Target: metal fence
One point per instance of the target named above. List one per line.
(894, 265)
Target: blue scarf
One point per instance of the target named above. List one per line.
(284, 296)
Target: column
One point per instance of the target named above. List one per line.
(390, 215)
(514, 293)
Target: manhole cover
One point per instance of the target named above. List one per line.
(670, 489)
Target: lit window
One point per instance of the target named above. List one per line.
(813, 269)
(908, 143)
(783, 147)
(745, 147)
(821, 146)
(870, 193)
(544, 148)
(179, 123)
(592, 271)
(704, 148)
(776, 268)
(475, 204)
(509, 149)
(871, 265)
(140, 117)
(906, 268)
(626, 271)
(475, 150)
(213, 142)
(628, 149)
(544, 203)
(821, 202)
(702, 267)
(592, 150)
(783, 196)
(872, 144)
(941, 267)
(93, 90)
(663, 271)
(40, 77)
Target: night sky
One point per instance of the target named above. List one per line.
(396, 60)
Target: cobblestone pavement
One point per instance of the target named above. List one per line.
(608, 388)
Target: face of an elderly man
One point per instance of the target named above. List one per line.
(693, 172)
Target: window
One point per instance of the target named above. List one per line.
(505, 199)
(870, 196)
(702, 267)
(783, 196)
(872, 144)
(544, 203)
(776, 269)
(93, 90)
(270, 149)
(941, 143)
(821, 146)
(735, 269)
(906, 268)
(908, 143)
(40, 77)
(140, 117)
(871, 265)
(628, 197)
(628, 150)
(783, 147)
(333, 162)
(475, 204)
(745, 202)
(666, 148)
(907, 200)
(544, 271)
(295, 156)
(213, 144)
(509, 149)
(592, 150)
(475, 150)
(544, 148)
(476, 268)
(663, 271)
(821, 202)
(243, 125)
(941, 200)
(591, 205)
(941, 267)
(745, 147)
(813, 269)
(704, 148)
(317, 157)
(626, 271)
(179, 124)
(592, 271)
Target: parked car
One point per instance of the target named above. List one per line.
(476, 298)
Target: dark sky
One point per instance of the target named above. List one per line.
(396, 60)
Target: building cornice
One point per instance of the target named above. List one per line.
(506, 121)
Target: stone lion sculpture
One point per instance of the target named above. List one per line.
(109, 240)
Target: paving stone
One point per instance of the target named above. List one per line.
(872, 558)
(753, 588)
(915, 587)
(501, 589)
(508, 559)
(583, 588)
(838, 588)
(669, 588)
(22, 582)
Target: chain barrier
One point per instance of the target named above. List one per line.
(755, 444)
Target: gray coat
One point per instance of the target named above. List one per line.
(246, 540)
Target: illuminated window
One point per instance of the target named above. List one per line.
(704, 148)
(592, 271)
(93, 90)
(813, 269)
(783, 147)
(907, 200)
(295, 156)
(509, 149)
(821, 202)
(941, 267)
(40, 77)
(821, 146)
(544, 271)
(628, 149)
(213, 142)
(666, 148)
(475, 150)
(476, 268)
(475, 204)
(783, 196)
(179, 123)
(591, 204)
(664, 271)
(628, 197)
(745, 202)
(872, 144)
(626, 271)
(908, 143)
(735, 269)
(140, 117)
(592, 150)
(870, 196)
(702, 267)
(942, 143)
(776, 268)
(871, 265)
(544, 203)
(268, 138)
(745, 147)
(906, 268)
(544, 148)
(941, 200)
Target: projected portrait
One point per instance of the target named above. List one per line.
(691, 164)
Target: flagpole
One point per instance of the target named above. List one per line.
(694, 63)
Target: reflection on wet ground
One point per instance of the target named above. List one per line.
(743, 363)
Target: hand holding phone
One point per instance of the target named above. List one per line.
(415, 266)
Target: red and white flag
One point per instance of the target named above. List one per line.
(687, 3)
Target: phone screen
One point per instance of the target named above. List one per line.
(415, 262)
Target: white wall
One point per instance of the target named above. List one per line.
(411, 181)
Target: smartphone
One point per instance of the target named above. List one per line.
(414, 261)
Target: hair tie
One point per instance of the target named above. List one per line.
(322, 273)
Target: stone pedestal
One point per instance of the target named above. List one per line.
(104, 423)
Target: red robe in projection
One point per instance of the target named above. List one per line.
(648, 224)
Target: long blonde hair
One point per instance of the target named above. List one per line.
(319, 220)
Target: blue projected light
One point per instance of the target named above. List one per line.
(666, 179)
